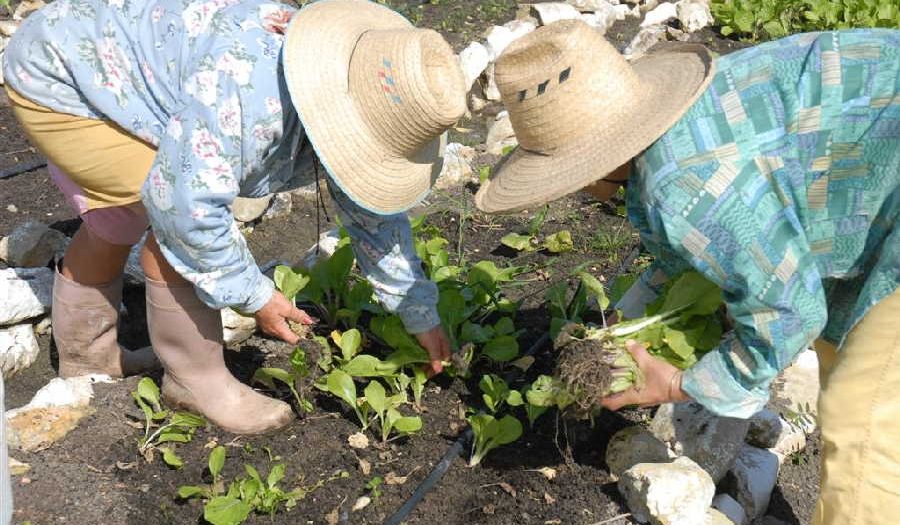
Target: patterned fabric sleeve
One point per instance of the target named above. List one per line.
(384, 251)
(209, 147)
(747, 242)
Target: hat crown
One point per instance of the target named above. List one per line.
(560, 81)
(408, 86)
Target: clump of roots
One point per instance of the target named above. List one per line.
(593, 364)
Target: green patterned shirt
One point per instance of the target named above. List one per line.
(780, 184)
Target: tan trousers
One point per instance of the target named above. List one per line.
(859, 414)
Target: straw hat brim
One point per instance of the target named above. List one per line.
(317, 52)
(673, 78)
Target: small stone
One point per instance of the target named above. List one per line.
(358, 440)
(677, 34)
(693, 431)
(660, 14)
(765, 427)
(714, 517)
(43, 327)
(26, 7)
(247, 209)
(365, 468)
(457, 167)
(645, 39)
(36, 429)
(280, 206)
(473, 60)
(327, 245)
(797, 387)
(498, 38)
(622, 11)
(12, 208)
(59, 392)
(477, 100)
(237, 328)
(24, 293)
(603, 19)
(32, 245)
(361, 503)
(548, 472)
(489, 84)
(17, 468)
(633, 445)
(8, 27)
(549, 12)
(18, 349)
(500, 134)
(694, 15)
(676, 493)
(730, 508)
(752, 479)
(590, 6)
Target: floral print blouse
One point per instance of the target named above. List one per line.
(202, 81)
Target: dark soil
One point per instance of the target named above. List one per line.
(96, 475)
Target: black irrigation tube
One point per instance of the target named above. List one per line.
(22, 167)
(444, 465)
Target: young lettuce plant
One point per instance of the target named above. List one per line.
(682, 325)
(491, 433)
(299, 371)
(163, 426)
(496, 393)
(385, 409)
(528, 242)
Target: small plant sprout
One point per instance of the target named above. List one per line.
(491, 433)
(386, 413)
(340, 384)
(496, 393)
(530, 241)
(163, 426)
(299, 371)
(374, 487)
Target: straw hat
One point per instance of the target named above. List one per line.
(374, 95)
(580, 110)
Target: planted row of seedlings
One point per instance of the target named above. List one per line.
(370, 363)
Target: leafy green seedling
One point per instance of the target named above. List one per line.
(385, 409)
(374, 487)
(491, 433)
(341, 384)
(163, 426)
(496, 393)
(292, 378)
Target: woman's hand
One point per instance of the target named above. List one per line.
(436, 342)
(662, 382)
(273, 317)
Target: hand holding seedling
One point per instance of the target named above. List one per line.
(273, 317)
(436, 342)
(662, 382)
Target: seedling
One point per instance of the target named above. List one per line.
(530, 241)
(163, 426)
(496, 393)
(491, 433)
(386, 413)
(374, 487)
(292, 378)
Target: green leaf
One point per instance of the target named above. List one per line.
(678, 342)
(186, 419)
(475, 333)
(275, 475)
(365, 365)
(289, 282)
(148, 390)
(408, 424)
(620, 285)
(503, 348)
(350, 343)
(174, 436)
(494, 391)
(514, 398)
(504, 326)
(510, 429)
(484, 173)
(145, 408)
(537, 222)
(694, 291)
(171, 458)
(559, 242)
(190, 491)
(216, 460)
(451, 306)
(595, 288)
(519, 242)
(375, 396)
(225, 510)
(341, 385)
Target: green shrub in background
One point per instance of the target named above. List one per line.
(767, 19)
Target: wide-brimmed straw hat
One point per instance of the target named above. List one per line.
(580, 110)
(374, 95)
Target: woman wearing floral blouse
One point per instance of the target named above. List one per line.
(774, 171)
(160, 113)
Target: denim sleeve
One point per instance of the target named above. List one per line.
(384, 250)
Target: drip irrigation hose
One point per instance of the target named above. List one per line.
(22, 167)
(455, 449)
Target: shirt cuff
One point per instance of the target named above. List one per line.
(419, 318)
(711, 383)
(260, 296)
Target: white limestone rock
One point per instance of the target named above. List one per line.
(500, 134)
(660, 14)
(694, 15)
(247, 209)
(457, 166)
(676, 493)
(25, 8)
(633, 445)
(8, 27)
(693, 431)
(550, 12)
(24, 293)
(603, 17)
(18, 349)
(237, 328)
(280, 206)
(31, 245)
(646, 38)
(730, 508)
(327, 245)
(591, 6)
(797, 387)
(752, 479)
(473, 60)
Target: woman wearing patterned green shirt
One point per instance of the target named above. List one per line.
(774, 172)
